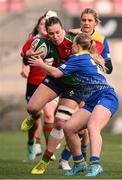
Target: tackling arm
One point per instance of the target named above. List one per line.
(50, 70)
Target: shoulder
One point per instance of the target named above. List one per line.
(30, 40)
(98, 37)
(79, 58)
(72, 57)
(69, 36)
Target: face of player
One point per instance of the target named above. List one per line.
(56, 33)
(88, 23)
(41, 28)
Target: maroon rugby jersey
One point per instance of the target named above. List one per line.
(36, 74)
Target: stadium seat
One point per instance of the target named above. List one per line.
(117, 6)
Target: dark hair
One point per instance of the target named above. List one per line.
(51, 21)
(35, 30)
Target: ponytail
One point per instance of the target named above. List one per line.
(96, 57)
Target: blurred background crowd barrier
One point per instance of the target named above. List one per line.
(18, 17)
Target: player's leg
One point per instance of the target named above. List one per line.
(66, 153)
(84, 137)
(64, 111)
(37, 136)
(106, 106)
(64, 159)
(34, 134)
(34, 146)
(71, 129)
(49, 111)
(42, 95)
(98, 120)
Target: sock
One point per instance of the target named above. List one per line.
(31, 142)
(84, 150)
(31, 134)
(78, 159)
(46, 130)
(47, 156)
(38, 141)
(36, 116)
(81, 136)
(66, 153)
(94, 160)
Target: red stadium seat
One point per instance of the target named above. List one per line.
(71, 6)
(16, 5)
(83, 5)
(3, 6)
(117, 6)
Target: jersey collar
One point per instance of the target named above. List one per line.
(82, 52)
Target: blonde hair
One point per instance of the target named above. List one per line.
(91, 11)
(86, 42)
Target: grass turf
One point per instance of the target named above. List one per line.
(14, 164)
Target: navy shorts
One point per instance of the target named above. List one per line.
(30, 89)
(107, 99)
(73, 92)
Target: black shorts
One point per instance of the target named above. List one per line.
(30, 89)
(62, 90)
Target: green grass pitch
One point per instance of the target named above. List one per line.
(14, 164)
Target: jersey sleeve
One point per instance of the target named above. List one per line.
(106, 52)
(70, 66)
(27, 45)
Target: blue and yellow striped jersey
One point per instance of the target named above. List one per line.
(102, 45)
(87, 73)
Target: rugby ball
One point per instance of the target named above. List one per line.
(41, 44)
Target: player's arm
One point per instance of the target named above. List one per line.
(28, 50)
(25, 70)
(109, 67)
(74, 31)
(106, 55)
(50, 70)
(26, 47)
(104, 60)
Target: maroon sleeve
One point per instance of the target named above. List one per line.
(27, 45)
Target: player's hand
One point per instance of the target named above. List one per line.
(31, 52)
(93, 48)
(35, 61)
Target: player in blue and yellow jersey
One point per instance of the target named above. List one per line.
(89, 20)
(100, 99)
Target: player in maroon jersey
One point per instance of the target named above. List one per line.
(35, 76)
(66, 88)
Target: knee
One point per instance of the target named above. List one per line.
(68, 130)
(31, 109)
(92, 128)
(59, 124)
(49, 117)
